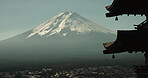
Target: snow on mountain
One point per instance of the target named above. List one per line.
(67, 21)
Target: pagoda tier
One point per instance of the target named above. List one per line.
(128, 41)
(119, 7)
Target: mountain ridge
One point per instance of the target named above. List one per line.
(67, 21)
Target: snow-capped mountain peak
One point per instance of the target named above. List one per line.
(67, 21)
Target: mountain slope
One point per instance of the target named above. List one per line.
(66, 36)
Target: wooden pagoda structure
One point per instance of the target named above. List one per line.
(130, 40)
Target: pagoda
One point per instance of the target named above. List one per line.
(130, 40)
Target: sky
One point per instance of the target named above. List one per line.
(19, 16)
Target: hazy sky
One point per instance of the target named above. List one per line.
(18, 16)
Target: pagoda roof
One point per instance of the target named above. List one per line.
(119, 7)
(129, 40)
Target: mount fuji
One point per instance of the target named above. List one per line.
(67, 35)
(63, 23)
